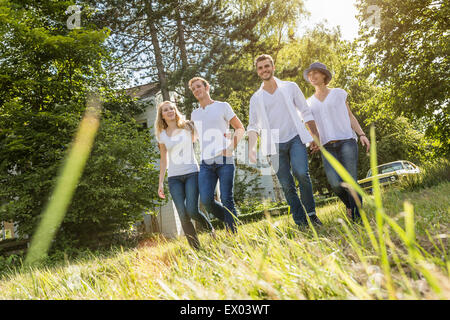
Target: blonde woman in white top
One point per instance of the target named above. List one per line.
(176, 136)
(339, 131)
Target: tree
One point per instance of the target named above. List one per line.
(406, 48)
(168, 41)
(176, 40)
(269, 32)
(46, 71)
(119, 183)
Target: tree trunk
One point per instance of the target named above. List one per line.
(157, 52)
(184, 64)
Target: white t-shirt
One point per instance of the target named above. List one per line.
(278, 115)
(181, 152)
(212, 124)
(331, 116)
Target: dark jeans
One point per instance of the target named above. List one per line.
(293, 155)
(184, 191)
(346, 152)
(218, 169)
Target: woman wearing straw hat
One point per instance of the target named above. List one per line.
(338, 128)
(175, 136)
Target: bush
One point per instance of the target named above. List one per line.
(253, 204)
(118, 184)
(44, 86)
(246, 183)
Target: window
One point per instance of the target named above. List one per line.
(387, 168)
(391, 167)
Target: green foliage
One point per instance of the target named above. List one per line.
(46, 72)
(253, 204)
(118, 184)
(409, 56)
(246, 183)
(9, 263)
(398, 138)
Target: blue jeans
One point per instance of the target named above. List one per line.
(293, 155)
(346, 152)
(184, 191)
(218, 169)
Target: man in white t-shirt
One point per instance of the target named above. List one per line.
(278, 113)
(212, 121)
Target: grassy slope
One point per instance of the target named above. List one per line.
(269, 259)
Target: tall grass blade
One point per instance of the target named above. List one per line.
(379, 215)
(348, 179)
(72, 169)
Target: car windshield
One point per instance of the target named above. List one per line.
(387, 168)
(409, 166)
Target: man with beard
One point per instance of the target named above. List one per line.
(278, 113)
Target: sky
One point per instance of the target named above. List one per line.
(337, 12)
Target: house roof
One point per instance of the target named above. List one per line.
(143, 91)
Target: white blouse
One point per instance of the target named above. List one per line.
(331, 116)
(181, 152)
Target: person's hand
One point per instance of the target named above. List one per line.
(227, 152)
(365, 142)
(252, 156)
(161, 191)
(314, 147)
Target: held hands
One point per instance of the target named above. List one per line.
(161, 191)
(365, 142)
(227, 152)
(314, 147)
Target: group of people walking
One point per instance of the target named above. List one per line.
(285, 122)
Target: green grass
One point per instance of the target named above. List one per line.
(270, 259)
(400, 251)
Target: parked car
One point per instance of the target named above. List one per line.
(389, 173)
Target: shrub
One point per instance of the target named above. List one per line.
(116, 186)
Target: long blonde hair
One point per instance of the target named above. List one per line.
(160, 123)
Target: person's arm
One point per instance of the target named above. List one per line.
(193, 130)
(357, 128)
(252, 142)
(311, 126)
(239, 132)
(253, 130)
(301, 104)
(162, 169)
